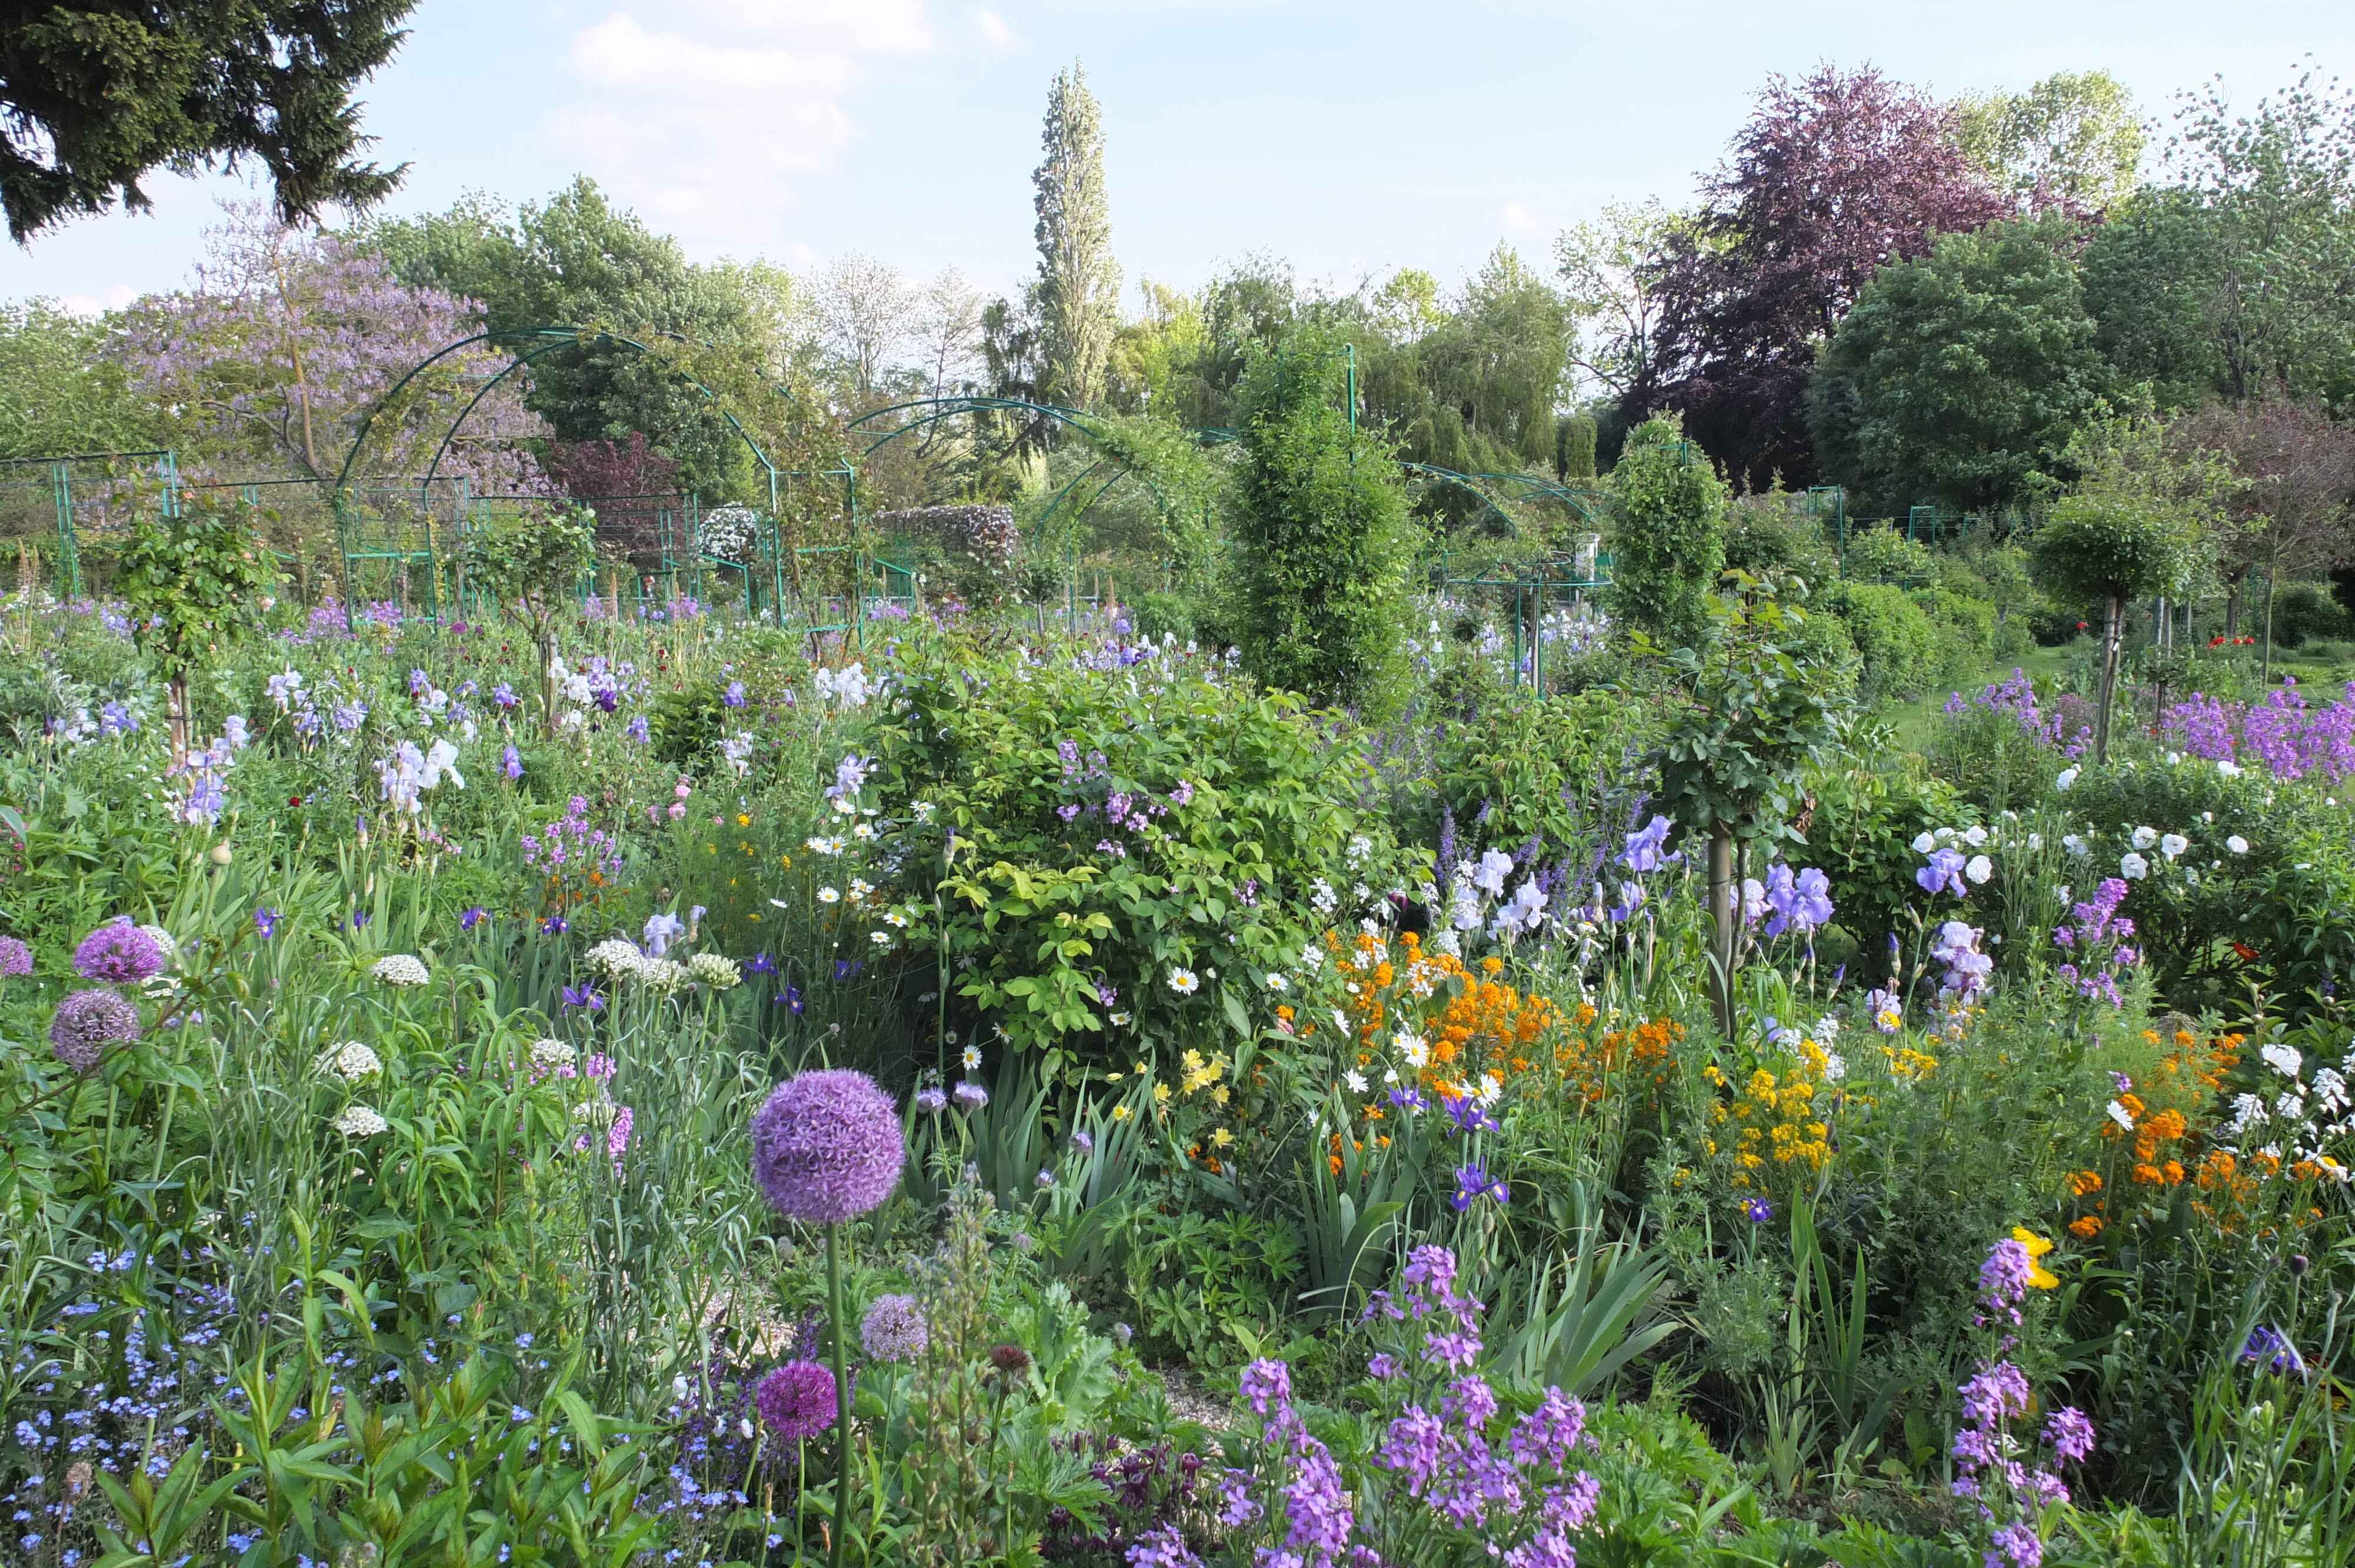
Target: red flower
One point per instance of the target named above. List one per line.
(2248, 955)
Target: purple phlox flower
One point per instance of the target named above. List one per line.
(1267, 1382)
(2004, 1278)
(1996, 1395)
(2070, 1432)
(1546, 1436)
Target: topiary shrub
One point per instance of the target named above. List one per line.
(1668, 535)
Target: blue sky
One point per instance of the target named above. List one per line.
(1347, 138)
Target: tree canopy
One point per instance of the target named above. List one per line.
(95, 94)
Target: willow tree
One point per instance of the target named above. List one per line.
(1076, 300)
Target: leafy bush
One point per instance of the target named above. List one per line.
(1136, 850)
(1668, 534)
(1899, 651)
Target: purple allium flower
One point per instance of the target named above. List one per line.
(826, 1146)
(971, 1095)
(797, 1400)
(932, 1101)
(88, 1021)
(894, 1330)
(118, 951)
(15, 959)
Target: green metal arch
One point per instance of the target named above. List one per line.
(950, 407)
(1527, 485)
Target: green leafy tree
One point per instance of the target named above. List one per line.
(1667, 534)
(1077, 297)
(193, 584)
(2232, 280)
(1756, 714)
(1321, 542)
(2073, 139)
(578, 260)
(1960, 377)
(2136, 526)
(531, 562)
(95, 95)
(66, 394)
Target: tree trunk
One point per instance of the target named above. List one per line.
(176, 705)
(1721, 911)
(2113, 620)
(2231, 610)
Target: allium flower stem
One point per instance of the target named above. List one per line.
(841, 1393)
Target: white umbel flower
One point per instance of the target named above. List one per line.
(353, 1061)
(548, 1055)
(401, 969)
(719, 973)
(359, 1121)
(663, 977)
(616, 959)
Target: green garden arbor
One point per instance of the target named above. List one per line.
(382, 535)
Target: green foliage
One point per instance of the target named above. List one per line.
(529, 563)
(1517, 768)
(99, 97)
(578, 260)
(1960, 377)
(65, 394)
(1320, 534)
(2074, 137)
(1754, 715)
(193, 582)
(1076, 296)
(1668, 534)
(1252, 840)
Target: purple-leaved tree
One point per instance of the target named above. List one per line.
(1835, 176)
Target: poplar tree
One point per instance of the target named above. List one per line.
(1076, 300)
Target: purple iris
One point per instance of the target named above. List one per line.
(761, 964)
(1944, 873)
(1409, 1100)
(586, 996)
(556, 925)
(1469, 1115)
(1472, 1183)
(266, 922)
(1759, 1210)
(1644, 846)
(472, 919)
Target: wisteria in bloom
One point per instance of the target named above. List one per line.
(2290, 735)
(2096, 944)
(270, 296)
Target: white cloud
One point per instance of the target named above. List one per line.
(1523, 218)
(704, 119)
(86, 304)
(995, 30)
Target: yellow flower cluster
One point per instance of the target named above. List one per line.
(1201, 1075)
(1908, 1065)
(1777, 1122)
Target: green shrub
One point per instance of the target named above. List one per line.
(1899, 652)
(1668, 535)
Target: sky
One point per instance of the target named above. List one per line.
(1347, 138)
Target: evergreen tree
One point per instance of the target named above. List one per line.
(93, 96)
(1077, 297)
